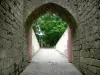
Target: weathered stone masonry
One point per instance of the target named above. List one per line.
(13, 44)
(87, 42)
(13, 39)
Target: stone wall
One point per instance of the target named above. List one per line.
(85, 42)
(86, 39)
(86, 45)
(13, 44)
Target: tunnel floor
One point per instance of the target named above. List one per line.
(50, 62)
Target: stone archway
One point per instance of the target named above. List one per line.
(85, 14)
(51, 8)
(85, 43)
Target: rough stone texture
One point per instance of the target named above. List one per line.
(87, 38)
(13, 44)
(85, 42)
(86, 47)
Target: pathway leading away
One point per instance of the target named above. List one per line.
(50, 62)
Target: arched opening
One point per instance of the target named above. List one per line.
(50, 8)
(49, 28)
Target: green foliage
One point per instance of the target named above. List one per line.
(52, 26)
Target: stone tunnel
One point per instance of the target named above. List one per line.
(17, 16)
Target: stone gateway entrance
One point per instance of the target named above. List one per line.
(17, 16)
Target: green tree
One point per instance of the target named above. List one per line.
(51, 26)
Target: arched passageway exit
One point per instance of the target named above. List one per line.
(53, 9)
(16, 16)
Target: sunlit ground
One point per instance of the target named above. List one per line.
(50, 62)
(49, 55)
